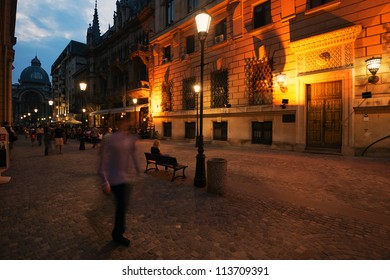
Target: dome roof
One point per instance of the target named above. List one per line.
(34, 74)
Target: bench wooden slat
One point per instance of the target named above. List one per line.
(166, 161)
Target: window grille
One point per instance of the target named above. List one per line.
(189, 96)
(219, 89)
(262, 132)
(258, 81)
(220, 131)
(167, 128)
(167, 98)
(190, 130)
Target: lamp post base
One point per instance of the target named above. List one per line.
(200, 171)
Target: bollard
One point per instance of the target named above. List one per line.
(216, 175)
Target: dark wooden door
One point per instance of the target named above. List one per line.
(324, 115)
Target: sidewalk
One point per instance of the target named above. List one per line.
(278, 205)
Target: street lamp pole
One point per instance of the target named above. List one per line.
(51, 102)
(203, 20)
(135, 101)
(197, 90)
(83, 88)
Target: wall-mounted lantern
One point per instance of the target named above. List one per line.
(281, 80)
(373, 65)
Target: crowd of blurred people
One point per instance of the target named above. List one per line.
(56, 133)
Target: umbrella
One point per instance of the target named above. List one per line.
(72, 121)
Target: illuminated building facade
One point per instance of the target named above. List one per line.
(283, 74)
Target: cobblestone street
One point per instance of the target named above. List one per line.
(277, 205)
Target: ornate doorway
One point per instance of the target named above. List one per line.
(324, 115)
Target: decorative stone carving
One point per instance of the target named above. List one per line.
(326, 51)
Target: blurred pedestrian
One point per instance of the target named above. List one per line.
(40, 132)
(94, 136)
(12, 135)
(59, 137)
(117, 168)
(107, 134)
(33, 136)
(47, 140)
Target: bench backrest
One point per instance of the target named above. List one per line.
(150, 156)
(161, 160)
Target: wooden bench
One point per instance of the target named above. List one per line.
(166, 161)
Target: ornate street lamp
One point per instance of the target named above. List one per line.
(203, 20)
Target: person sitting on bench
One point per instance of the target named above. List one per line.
(155, 150)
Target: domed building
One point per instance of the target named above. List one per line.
(30, 97)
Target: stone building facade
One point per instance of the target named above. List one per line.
(283, 74)
(66, 90)
(7, 54)
(117, 66)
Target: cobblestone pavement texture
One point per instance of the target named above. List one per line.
(277, 205)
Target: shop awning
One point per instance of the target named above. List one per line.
(118, 110)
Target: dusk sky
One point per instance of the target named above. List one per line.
(45, 27)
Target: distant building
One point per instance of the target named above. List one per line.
(7, 54)
(66, 92)
(31, 95)
(117, 65)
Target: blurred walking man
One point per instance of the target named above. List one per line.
(117, 169)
